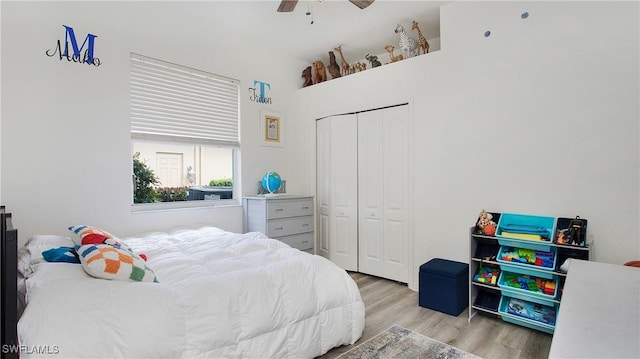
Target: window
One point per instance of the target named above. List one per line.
(184, 132)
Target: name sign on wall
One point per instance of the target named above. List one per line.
(76, 55)
(259, 92)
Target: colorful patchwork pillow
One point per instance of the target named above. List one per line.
(109, 262)
(93, 235)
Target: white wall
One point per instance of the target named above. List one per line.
(539, 118)
(66, 151)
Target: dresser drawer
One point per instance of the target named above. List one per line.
(289, 208)
(302, 241)
(288, 226)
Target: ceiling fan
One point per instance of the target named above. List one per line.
(289, 5)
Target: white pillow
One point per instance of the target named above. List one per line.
(40, 243)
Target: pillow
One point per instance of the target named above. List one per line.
(39, 243)
(93, 235)
(61, 254)
(24, 262)
(109, 262)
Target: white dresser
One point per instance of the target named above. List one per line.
(287, 218)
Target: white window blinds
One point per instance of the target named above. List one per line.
(179, 104)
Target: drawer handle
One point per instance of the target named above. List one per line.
(304, 242)
(305, 207)
(306, 225)
(279, 209)
(278, 228)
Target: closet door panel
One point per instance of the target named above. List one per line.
(343, 241)
(370, 199)
(395, 142)
(323, 182)
(395, 261)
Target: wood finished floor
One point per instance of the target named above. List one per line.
(388, 302)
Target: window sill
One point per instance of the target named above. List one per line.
(183, 205)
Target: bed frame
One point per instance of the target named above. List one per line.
(9, 313)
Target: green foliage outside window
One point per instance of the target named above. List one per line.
(172, 194)
(221, 182)
(144, 181)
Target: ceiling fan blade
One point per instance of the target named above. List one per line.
(287, 5)
(362, 4)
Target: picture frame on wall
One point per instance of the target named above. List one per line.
(271, 128)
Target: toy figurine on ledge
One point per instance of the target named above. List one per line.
(485, 224)
(571, 231)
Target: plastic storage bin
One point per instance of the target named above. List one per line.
(524, 228)
(529, 313)
(529, 285)
(444, 286)
(524, 265)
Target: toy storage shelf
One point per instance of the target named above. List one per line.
(489, 299)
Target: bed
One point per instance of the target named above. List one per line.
(212, 294)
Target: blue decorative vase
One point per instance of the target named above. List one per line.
(271, 181)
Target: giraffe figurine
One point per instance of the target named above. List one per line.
(344, 63)
(422, 41)
(393, 58)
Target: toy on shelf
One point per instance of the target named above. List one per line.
(392, 57)
(571, 231)
(408, 45)
(528, 256)
(487, 275)
(333, 67)
(306, 75)
(320, 72)
(485, 224)
(533, 311)
(344, 64)
(422, 41)
(373, 59)
(530, 283)
(357, 67)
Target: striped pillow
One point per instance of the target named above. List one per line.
(109, 262)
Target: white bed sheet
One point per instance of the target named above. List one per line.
(220, 295)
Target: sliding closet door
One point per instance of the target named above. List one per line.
(383, 168)
(337, 190)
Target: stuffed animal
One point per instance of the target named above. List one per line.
(320, 74)
(485, 224)
(306, 75)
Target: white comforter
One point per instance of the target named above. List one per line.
(220, 295)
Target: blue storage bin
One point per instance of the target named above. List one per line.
(521, 227)
(444, 286)
(525, 268)
(540, 316)
(502, 283)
